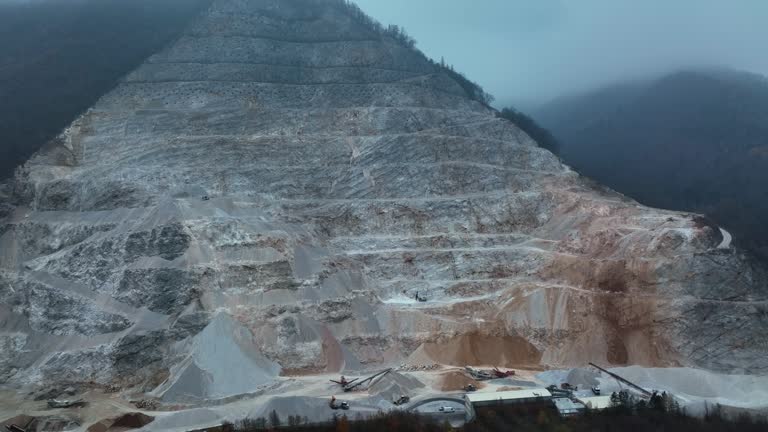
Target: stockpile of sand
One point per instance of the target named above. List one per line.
(457, 380)
(476, 349)
(553, 377)
(393, 385)
(123, 423)
(584, 378)
(223, 361)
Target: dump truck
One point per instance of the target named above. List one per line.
(334, 405)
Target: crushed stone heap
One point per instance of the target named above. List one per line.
(291, 175)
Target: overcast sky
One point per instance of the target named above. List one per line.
(524, 51)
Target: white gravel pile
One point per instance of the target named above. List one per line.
(695, 389)
(393, 385)
(223, 361)
(694, 386)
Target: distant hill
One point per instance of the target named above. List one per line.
(58, 57)
(694, 140)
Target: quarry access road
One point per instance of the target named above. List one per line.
(727, 239)
(431, 407)
(432, 400)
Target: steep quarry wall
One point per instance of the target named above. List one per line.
(283, 181)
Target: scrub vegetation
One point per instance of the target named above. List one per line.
(503, 419)
(696, 140)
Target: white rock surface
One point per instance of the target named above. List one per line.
(223, 361)
(284, 165)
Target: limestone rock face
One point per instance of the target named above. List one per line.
(288, 170)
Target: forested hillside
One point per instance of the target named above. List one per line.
(695, 140)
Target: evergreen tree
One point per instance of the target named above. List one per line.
(274, 419)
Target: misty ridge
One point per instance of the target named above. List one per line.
(692, 140)
(696, 140)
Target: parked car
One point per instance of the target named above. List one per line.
(596, 390)
(447, 409)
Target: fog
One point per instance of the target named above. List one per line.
(529, 51)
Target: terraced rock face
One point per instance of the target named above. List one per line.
(285, 180)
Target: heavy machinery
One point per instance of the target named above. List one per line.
(503, 374)
(343, 381)
(352, 385)
(334, 405)
(620, 379)
(479, 374)
(569, 387)
(560, 393)
(402, 400)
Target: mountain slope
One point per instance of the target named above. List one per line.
(695, 140)
(58, 57)
(284, 181)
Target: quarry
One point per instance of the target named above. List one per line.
(289, 193)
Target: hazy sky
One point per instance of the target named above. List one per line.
(522, 51)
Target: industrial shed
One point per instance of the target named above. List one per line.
(596, 402)
(516, 397)
(568, 408)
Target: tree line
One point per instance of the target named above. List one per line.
(659, 414)
(398, 34)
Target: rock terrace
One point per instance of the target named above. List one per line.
(285, 179)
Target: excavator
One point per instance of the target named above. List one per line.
(481, 375)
